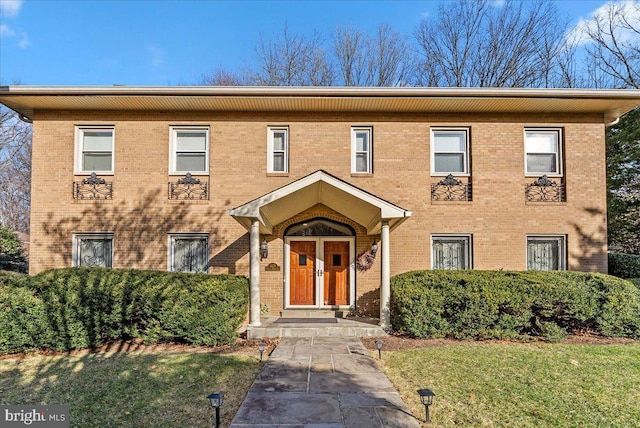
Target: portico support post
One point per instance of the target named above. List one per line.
(254, 279)
(385, 285)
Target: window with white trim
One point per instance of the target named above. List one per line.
(543, 152)
(450, 151)
(278, 149)
(189, 150)
(93, 250)
(361, 150)
(189, 253)
(451, 252)
(546, 252)
(94, 149)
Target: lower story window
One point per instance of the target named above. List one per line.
(189, 253)
(546, 252)
(451, 252)
(93, 250)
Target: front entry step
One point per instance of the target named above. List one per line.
(312, 313)
(341, 327)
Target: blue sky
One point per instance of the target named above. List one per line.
(169, 42)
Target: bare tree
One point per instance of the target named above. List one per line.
(362, 60)
(474, 43)
(222, 77)
(614, 44)
(15, 171)
(291, 60)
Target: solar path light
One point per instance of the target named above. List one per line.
(216, 399)
(261, 347)
(426, 396)
(379, 344)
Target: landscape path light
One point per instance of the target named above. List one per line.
(379, 345)
(426, 396)
(216, 399)
(261, 347)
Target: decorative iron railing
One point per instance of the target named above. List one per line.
(450, 189)
(189, 188)
(544, 190)
(93, 188)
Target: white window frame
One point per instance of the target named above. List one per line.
(559, 172)
(562, 250)
(465, 162)
(354, 163)
(79, 148)
(171, 241)
(271, 130)
(173, 152)
(467, 238)
(77, 237)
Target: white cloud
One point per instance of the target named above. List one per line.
(630, 9)
(156, 54)
(10, 7)
(498, 3)
(24, 40)
(6, 31)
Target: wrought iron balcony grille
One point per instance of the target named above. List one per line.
(450, 189)
(544, 190)
(93, 188)
(189, 188)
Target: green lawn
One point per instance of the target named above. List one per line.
(520, 385)
(130, 389)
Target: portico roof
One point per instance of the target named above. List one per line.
(320, 187)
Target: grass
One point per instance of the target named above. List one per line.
(518, 385)
(130, 389)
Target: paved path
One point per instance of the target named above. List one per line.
(322, 382)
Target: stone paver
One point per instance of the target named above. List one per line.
(322, 382)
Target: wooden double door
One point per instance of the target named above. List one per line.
(319, 272)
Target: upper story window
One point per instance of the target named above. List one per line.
(451, 252)
(546, 252)
(278, 148)
(189, 150)
(543, 152)
(93, 250)
(94, 149)
(361, 150)
(450, 151)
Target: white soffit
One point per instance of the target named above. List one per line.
(319, 188)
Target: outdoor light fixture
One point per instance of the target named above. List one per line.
(216, 399)
(426, 396)
(264, 249)
(261, 347)
(374, 248)
(379, 344)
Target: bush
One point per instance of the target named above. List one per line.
(82, 307)
(636, 281)
(12, 255)
(496, 304)
(624, 265)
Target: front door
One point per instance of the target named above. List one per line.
(303, 272)
(336, 273)
(319, 272)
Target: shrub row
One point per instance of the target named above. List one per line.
(497, 304)
(73, 308)
(624, 265)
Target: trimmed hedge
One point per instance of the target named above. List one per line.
(73, 308)
(497, 304)
(624, 265)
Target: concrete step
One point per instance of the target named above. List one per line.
(345, 327)
(313, 313)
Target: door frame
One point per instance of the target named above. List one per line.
(319, 281)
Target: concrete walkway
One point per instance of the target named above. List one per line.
(322, 382)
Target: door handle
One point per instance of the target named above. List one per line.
(319, 272)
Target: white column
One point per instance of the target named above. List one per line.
(385, 285)
(254, 287)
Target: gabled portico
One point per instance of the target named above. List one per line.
(375, 215)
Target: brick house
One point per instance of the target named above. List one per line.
(319, 195)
